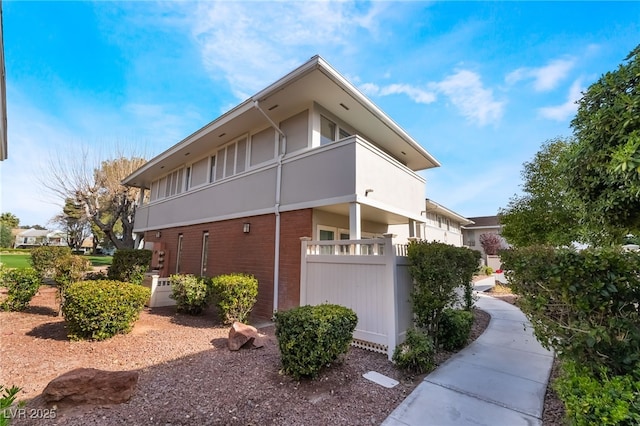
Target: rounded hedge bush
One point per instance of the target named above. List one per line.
(98, 310)
(311, 337)
(416, 353)
(235, 295)
(454, 329)
(22, 284)
(192, 294)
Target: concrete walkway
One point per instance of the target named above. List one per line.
(500, 379)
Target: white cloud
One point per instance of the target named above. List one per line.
(467, 93)
(416, 94)
(567, 109)
(544, 78)
(251, 49)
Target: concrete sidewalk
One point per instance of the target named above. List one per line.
(500, 379)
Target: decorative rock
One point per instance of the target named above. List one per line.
(243, 335)
(91, 386)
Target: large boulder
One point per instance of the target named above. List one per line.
(243, 335)
(91, 386)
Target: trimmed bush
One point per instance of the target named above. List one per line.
(454, 329)
(43, 259)
(235, 295)
(98, 310)
(415, 355)
(311, 337)
(192, 294)
(22, 285)
(437, 270)
(583, 304)
(598, 399)
(130, 265)
(70, 268)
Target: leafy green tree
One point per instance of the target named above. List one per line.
(74, 222)
(544, 214)
(603, 168)
(9, 219)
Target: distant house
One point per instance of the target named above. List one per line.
(32, 237)
(308, 156)
(481, 225)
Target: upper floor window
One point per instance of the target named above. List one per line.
(330, 131)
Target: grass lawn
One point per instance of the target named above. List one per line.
(21, 260)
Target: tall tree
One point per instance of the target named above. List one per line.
(74, 222)
(544, 214)
(106, 203)
(9, 219)
(604, 165)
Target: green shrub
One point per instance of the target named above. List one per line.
(454, 329)
(486, 270)
(101, 309)
(597, 399)
(235, 295)
(415, 355)
(43, 259)
(7, 398)
(583, 304)
(22, 285)
(192, 294)
(311, 337)
(437, 270)
(130, 265)
(70, 268)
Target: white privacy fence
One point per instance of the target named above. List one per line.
(367, 276)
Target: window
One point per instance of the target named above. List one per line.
(241, 155)
(439, 221)
(263, 146)
(212, 170)
(343, 133)
(327, 130)
(178, 253)
(205, 253)
(448, 225)
(187, 179)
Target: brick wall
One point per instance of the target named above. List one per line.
(232, 250)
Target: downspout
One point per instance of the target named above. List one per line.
(276, 259)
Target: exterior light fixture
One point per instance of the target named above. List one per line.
(367, 191)
(246, 227)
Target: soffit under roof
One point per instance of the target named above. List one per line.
(315, 81)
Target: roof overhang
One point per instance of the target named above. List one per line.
(314, 81)
(432, 206)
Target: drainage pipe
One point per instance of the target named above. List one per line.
(282, 150)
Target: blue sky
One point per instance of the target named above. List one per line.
(480, 85)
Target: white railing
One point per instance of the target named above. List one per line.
(369, 247)
(376, 285)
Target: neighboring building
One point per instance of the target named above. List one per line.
(32, 237)
(481, 225)
(440, 224)
(309, 156)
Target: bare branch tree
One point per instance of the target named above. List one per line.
(96, 186)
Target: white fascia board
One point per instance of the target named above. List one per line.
(432, 206)
(317, 62)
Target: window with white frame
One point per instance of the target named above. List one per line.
(330, 131)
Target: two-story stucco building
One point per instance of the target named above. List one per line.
(308, 156)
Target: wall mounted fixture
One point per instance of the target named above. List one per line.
(367, 191)
(158, 234)
(246, 227)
